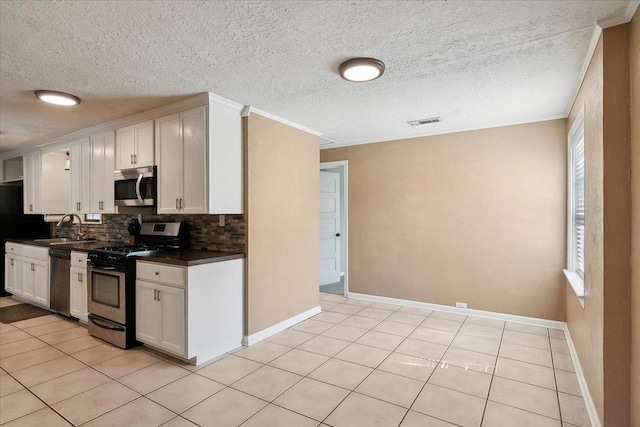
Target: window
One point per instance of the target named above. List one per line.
(92, 218)
(576, 207)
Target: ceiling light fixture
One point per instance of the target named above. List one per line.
(57, 98)
(361, 69)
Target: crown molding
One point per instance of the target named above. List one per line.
(248, 109)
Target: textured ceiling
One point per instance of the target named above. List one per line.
(474, 64)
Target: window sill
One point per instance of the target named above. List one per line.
(576, 283)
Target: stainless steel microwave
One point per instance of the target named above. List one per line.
(136, 187)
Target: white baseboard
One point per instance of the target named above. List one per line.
(582, 381)
(279, 327)
(553, 324)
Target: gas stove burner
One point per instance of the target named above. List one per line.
(132, 248)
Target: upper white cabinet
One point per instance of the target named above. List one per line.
(199, 159)
(92, 164)
(102, 165)
(80, 165)
(134, 146)
(181, 148)
(32, 184)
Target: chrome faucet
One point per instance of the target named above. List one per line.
(80, 233)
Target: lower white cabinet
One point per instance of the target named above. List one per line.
(192, 312)
(160, 316)
(35, 281)
(78, 298)
(27, 272)
(13, 274)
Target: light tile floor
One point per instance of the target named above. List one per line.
(355, 364)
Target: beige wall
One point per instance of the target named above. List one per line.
(601, 331)
(282, 214)
(634, 61)
(586, 324)
(473, 216)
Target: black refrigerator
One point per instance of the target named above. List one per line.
(14, 223)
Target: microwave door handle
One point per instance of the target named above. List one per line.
(138, 188)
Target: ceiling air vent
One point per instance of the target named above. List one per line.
(424, 121)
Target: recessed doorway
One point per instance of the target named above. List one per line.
(333, 238)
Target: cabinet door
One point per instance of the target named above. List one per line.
(169, 162)
(17, 275)
(80, 163)
(143, 155)
(41, 283)
(194, 162)
(9, 273)
(147, 313)
(32, 173)
(125, 147)
(28, 279)
(78, 301)
(172, 319)
(102, 165)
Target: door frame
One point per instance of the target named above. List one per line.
(344, 164)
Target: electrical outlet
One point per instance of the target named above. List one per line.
(461, 305)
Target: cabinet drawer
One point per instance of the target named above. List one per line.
(79, 260)
(13, 248)
(35, 252)
(160, 273)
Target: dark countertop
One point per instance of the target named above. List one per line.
(71, 246)
(189, 258)
(182, 258)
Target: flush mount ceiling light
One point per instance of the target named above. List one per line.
(361, 69)
(57, 98)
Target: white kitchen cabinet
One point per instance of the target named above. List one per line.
(78, 298)
(27, 272)
(160, 316)
(135, 146)
(182, 162)
(80, 165)
(193, 312)
(32, 182)
(13, 274)
(102, 166)
(35, 281)
(199, 159)
(92, 165)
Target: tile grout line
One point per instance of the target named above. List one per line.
(486, 402)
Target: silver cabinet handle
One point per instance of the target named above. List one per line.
(11, 261)
(80, 277)
(158, 294)
(30, 208)
(33, 267)
(132, 159)
(177, 206)
(181, 203)
(135, 158)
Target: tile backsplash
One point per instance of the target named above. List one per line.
(203, 231)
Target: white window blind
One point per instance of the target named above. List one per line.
(576, 207)
(577, 151)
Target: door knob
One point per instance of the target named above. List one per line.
(337, 234)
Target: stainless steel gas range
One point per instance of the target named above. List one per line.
(111, 281)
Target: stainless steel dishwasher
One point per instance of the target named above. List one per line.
(60, 281)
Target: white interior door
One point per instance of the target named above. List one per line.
(329, 227)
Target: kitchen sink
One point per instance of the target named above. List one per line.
(63, 241)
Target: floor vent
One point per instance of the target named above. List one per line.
(424, 121)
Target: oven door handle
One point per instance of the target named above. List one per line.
(105, 325)
(138, 181)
